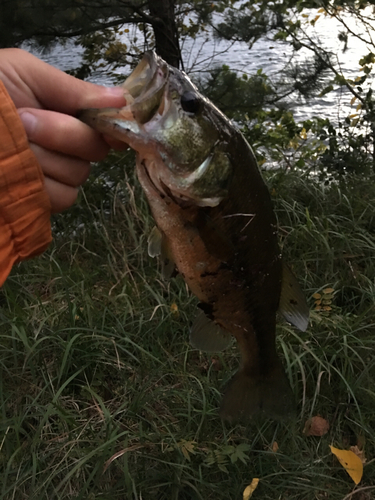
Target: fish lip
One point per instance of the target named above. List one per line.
(142, 74)
(147, 85)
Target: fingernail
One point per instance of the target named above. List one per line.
(115, 91)
(29, 121)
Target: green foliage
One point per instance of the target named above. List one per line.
(347, 151)
(113, 54)
(47, 20)
(315, 145)
(239, 98)
(254, 101)
(248, 27)
(349, 144)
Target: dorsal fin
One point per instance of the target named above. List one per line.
(206, 336)
(293, 305)
(158, 247)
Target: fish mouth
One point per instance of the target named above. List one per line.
(146, 85)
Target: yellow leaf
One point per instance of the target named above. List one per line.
(187, 447)
(249, 490)
(174, 309)
(293, 143)
(359, 106)
(353, 100)
(351, 463)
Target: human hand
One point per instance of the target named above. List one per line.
(47, 101)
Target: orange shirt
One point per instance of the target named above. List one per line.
(25, 229)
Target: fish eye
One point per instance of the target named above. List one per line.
(190, 102)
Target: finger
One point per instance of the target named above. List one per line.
(115, 143)
(63, 133)
(61, 196)
(65, 169)
(38, 84)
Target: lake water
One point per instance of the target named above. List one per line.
(272, 57)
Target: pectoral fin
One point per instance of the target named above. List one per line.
(154, 242)
(293, 305)
(158, 247)
(206, 336)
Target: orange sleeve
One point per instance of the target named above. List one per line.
(25, 210)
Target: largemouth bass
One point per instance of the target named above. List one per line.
(215, 223)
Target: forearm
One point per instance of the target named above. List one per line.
(25, 208)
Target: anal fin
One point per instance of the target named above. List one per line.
(154, 242)
(206, 336)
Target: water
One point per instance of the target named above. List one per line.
(272, 57)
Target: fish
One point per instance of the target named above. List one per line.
(215, 226)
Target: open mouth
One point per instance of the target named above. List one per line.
(146, 85)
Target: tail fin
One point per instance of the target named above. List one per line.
(247, 396)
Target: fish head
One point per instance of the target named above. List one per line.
(178, 134)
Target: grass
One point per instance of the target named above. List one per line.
(103, 398)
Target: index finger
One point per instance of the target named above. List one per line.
(56, 90)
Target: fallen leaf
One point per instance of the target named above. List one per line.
(316, 426)
(249, 490)
(351, 463)
(274, 447)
